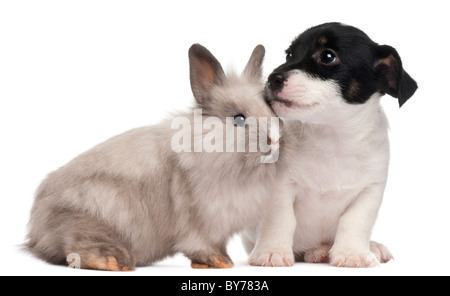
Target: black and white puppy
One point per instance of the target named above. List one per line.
(329, 92)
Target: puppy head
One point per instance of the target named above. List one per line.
(333, 65)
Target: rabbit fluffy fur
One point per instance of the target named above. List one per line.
(132, 200)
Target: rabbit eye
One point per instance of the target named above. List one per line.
(239, 120)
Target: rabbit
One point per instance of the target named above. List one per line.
(132, 200)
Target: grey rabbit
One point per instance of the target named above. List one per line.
(133, 200)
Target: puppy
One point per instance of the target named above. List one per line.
(328, 91)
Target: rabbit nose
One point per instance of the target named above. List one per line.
(273, 141)
(274, 137)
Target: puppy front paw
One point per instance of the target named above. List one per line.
(381, 251)
(354, 258)
(320, 254)
(273, 258)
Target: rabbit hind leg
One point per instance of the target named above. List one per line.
(91, 244)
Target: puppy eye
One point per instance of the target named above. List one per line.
(328, 57)
(288, 55)
(239, 120)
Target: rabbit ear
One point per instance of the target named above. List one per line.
(205, 71)
(254, 65)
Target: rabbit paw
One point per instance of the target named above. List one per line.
(215, 261)
(105, 263)
(101, 256)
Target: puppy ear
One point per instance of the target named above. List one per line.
(205, 72)
(391, 77)
(253, 69)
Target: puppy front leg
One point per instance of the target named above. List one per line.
(351, 247)
(275, 235)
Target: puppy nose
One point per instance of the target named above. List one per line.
(276, 81)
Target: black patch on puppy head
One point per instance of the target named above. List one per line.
(345, 54)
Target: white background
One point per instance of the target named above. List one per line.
(74, 73)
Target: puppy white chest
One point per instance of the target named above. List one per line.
(327, 174)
